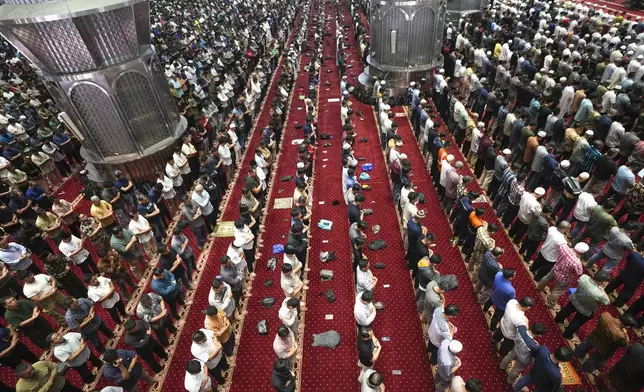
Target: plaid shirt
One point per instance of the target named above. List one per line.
(75, 317)
(502, 114)
(506, 180)
(568, 267)
(57, 267)
(516, 191)
(590, 158)
(482, 244)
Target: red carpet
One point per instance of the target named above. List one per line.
(406, 350)
(255, 355)
(324, 369)
(194, 319)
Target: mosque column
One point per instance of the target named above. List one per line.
(97, 61)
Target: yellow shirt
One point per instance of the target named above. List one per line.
(103, 212)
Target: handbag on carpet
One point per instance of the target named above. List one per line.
(375, 228)
(278, 249)
(268, 302)
(326, 275)
(367, 167)
(379, 306)
(379, 265)
(365, 176)
(271, 264)
(367, 212)
(366, 187)
(286, 178)
(262, 328)
(364, 139)
(268, 283)
(325, 136)
(325, 257)
(329, 294)
(377, 244)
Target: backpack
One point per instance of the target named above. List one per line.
(330, 295)
(326, 275)
(377, 245)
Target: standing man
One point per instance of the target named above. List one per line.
(201, 199)
(549, 251)
(82, 316)
(102, 290)
(217, 322)
(502, 293)
(71, 349)
(566, 271)
(42, 376)
(441, 329)
(513, 317)
(143, 232)
(25, 315)
(138, 335)
(122, 367)
(448, 363)
(43, 290)
(72, 247)
(584, 302)
(521, 353)
(207, 349)
(545, 373)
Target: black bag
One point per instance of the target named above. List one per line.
(377, 245)
(379, 265)
(298, 126)
(421, 198)
(335, 202)
(268, 302)
(268, 283)
(286, 178)
(325, 136)
(359, 113)
(330, 295)
(364, 139)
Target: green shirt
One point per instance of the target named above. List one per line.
(39, 382)
(599, 223)
(23, 312)
(119, 245)
(49, 220)
(588, 296)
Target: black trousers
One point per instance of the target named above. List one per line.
(506, 344)
(37, 332)
(173, 303)
(433, 350)
(627, 291)
(160, 331)
(518, 230)
(88, 266)
(116, 310)
(84, 372)
(147, 354)
(73, 285)
(529, 247)
(496, 317)
(217, 371)
(95, 340)
(577, 321)
(17, 355)
(541, 267)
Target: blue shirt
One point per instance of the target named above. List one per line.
(623, 179)
(502, 292)
(6, 137)
(544, 373)
(489, 268)
(165, 287)
(35, 193)
(113, 373)
(307, 129)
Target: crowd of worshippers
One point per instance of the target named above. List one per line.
(65, 275)
(544, 102)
